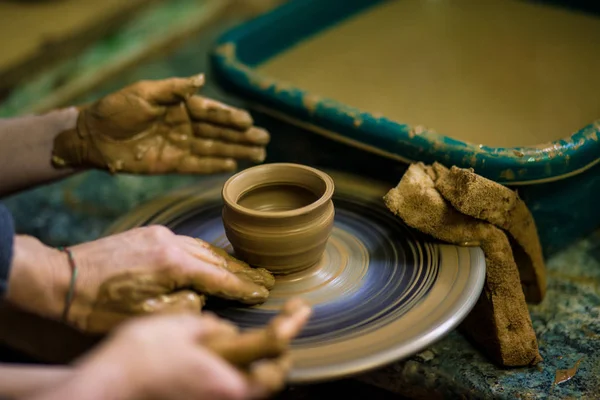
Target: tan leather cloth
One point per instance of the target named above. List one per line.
(459, 207)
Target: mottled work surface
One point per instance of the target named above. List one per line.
(567, 323)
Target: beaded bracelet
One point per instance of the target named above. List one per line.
(69, 297)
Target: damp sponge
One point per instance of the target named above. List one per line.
(457, 206)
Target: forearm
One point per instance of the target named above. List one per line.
(26, 149)
(22, 381)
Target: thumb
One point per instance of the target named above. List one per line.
(171, 90)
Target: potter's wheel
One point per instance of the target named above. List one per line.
(380, 293)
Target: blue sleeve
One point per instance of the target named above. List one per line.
(7, 233)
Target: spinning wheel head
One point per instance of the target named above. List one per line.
(380, 291)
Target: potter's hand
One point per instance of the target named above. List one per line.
(155, 127)
(179, 357)
(247, 349)
(141, 271)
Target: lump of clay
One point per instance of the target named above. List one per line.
(499, 323)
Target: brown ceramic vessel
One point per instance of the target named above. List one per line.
(279, 216)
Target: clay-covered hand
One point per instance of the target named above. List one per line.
(141, 271)
(175, 357)
(262, 354)
(156, 127)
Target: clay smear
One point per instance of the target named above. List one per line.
(497, 72)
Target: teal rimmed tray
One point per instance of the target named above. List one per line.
(249, 45)
(556, 180)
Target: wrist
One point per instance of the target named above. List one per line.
(73, 147)
(69, 148)
(65, 118)
(65, 123)
(39, 278)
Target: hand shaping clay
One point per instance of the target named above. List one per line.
(500, 323)
(141, 293)
(279, 216)
(501, 73)
(119, 298)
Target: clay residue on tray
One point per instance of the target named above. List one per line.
(525, 78)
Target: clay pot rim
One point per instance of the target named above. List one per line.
(324, 198)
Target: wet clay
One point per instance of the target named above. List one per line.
(499, 323)
(279, 216)
(156, 127)
(277, 198)
(500, 72)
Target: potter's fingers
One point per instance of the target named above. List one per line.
(208, 110)
(225, 328)
(195, 326)
(184, 300)
(253, 135)
(184, 324)
(216, 327)
(215, 148)
(212, 280)
(248, 347)
(269, 342)
(168, 91)
(205, 165)
(202, 250)
(267, 377)
(216, 377)
(260, 276)
(216, 251)
(289, 322)
(209, 253)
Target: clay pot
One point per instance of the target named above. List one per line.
(279, 216)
